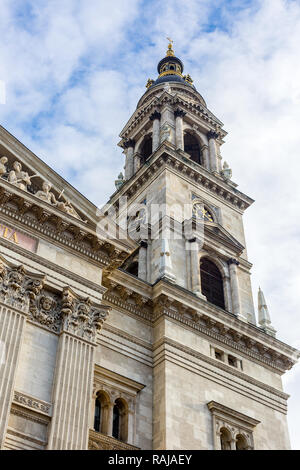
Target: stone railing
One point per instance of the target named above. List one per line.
(98, 441)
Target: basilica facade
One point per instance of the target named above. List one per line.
(134, 327)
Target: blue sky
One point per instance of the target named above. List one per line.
(74, 71)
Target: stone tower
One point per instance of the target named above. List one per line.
(216, 373)
(139, 334)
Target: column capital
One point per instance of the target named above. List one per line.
(212, 135)
(129, 143)
(155, 115)
(179, 113)
(233, 261)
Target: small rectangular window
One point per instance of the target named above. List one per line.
(219, 355)
(232, 361)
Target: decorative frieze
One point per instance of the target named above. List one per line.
(33, 403)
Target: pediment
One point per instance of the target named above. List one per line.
(23, 170)
(217, 232)
(30, 189)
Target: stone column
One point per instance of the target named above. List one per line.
(155, 118)
(212, 136)
(130, 426)
(136, 163)
(142, 271)
(205, 154)
(15, 305)
(12, 324)
(129, 165)
(195, 268)
(72, 391)
(179, 141)
(165, 265)
(234, 284)
(110, 415)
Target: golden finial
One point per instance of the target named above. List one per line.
(170, 51)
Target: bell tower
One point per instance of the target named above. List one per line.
(180, 196)
(178, 201)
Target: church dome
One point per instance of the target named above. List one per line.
(170, 69)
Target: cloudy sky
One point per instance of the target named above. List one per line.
(74, 70)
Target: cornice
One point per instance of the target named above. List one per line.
(32, 403)
(62, 230)
(219, 365)
(197, 109)
(51, 266)
(221, 410)
(167, 157)
(180, 305)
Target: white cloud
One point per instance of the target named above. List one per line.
(78, 69)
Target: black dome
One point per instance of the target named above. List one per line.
(171, 78)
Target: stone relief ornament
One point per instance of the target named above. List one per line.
(3, 168)
(19, 178)
(45, 194)
(11, 286)
(80, 317)
(165, 133)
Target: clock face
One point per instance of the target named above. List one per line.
(201, 213)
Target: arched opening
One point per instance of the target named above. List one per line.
(146, 149)
(133, 268)
(241, 443)
(192, 147)
(97, 419)
(225, 439)
(212, 283)
(120, 420)
(101, 412)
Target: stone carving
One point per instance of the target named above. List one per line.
(226, 172)
(11, 286)
(165, 133)
(3, 168)
(120, 181)
(19, 178)
(48, 196)
(45, 194)
(31, 402)
(80, 317)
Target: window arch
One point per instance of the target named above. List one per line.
(225, 438)
(146, 149)
(101, 412)
(212, 283)
(192, 147)
(120, 420)
(241, 443)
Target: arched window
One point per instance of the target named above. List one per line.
(120, 420)
(212, 283)
(97, 419)
(101, 412)
(146, 149)
(241, 443)
(192, 147)
(116, 422)
(133, 268)
(225, 439)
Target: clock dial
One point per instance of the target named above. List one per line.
(202, 213)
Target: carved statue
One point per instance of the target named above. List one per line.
(46, 195)
(19, 178)
(3, 169)
(120, 181)
(165, 133)
(67, 206)
(226, 172)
